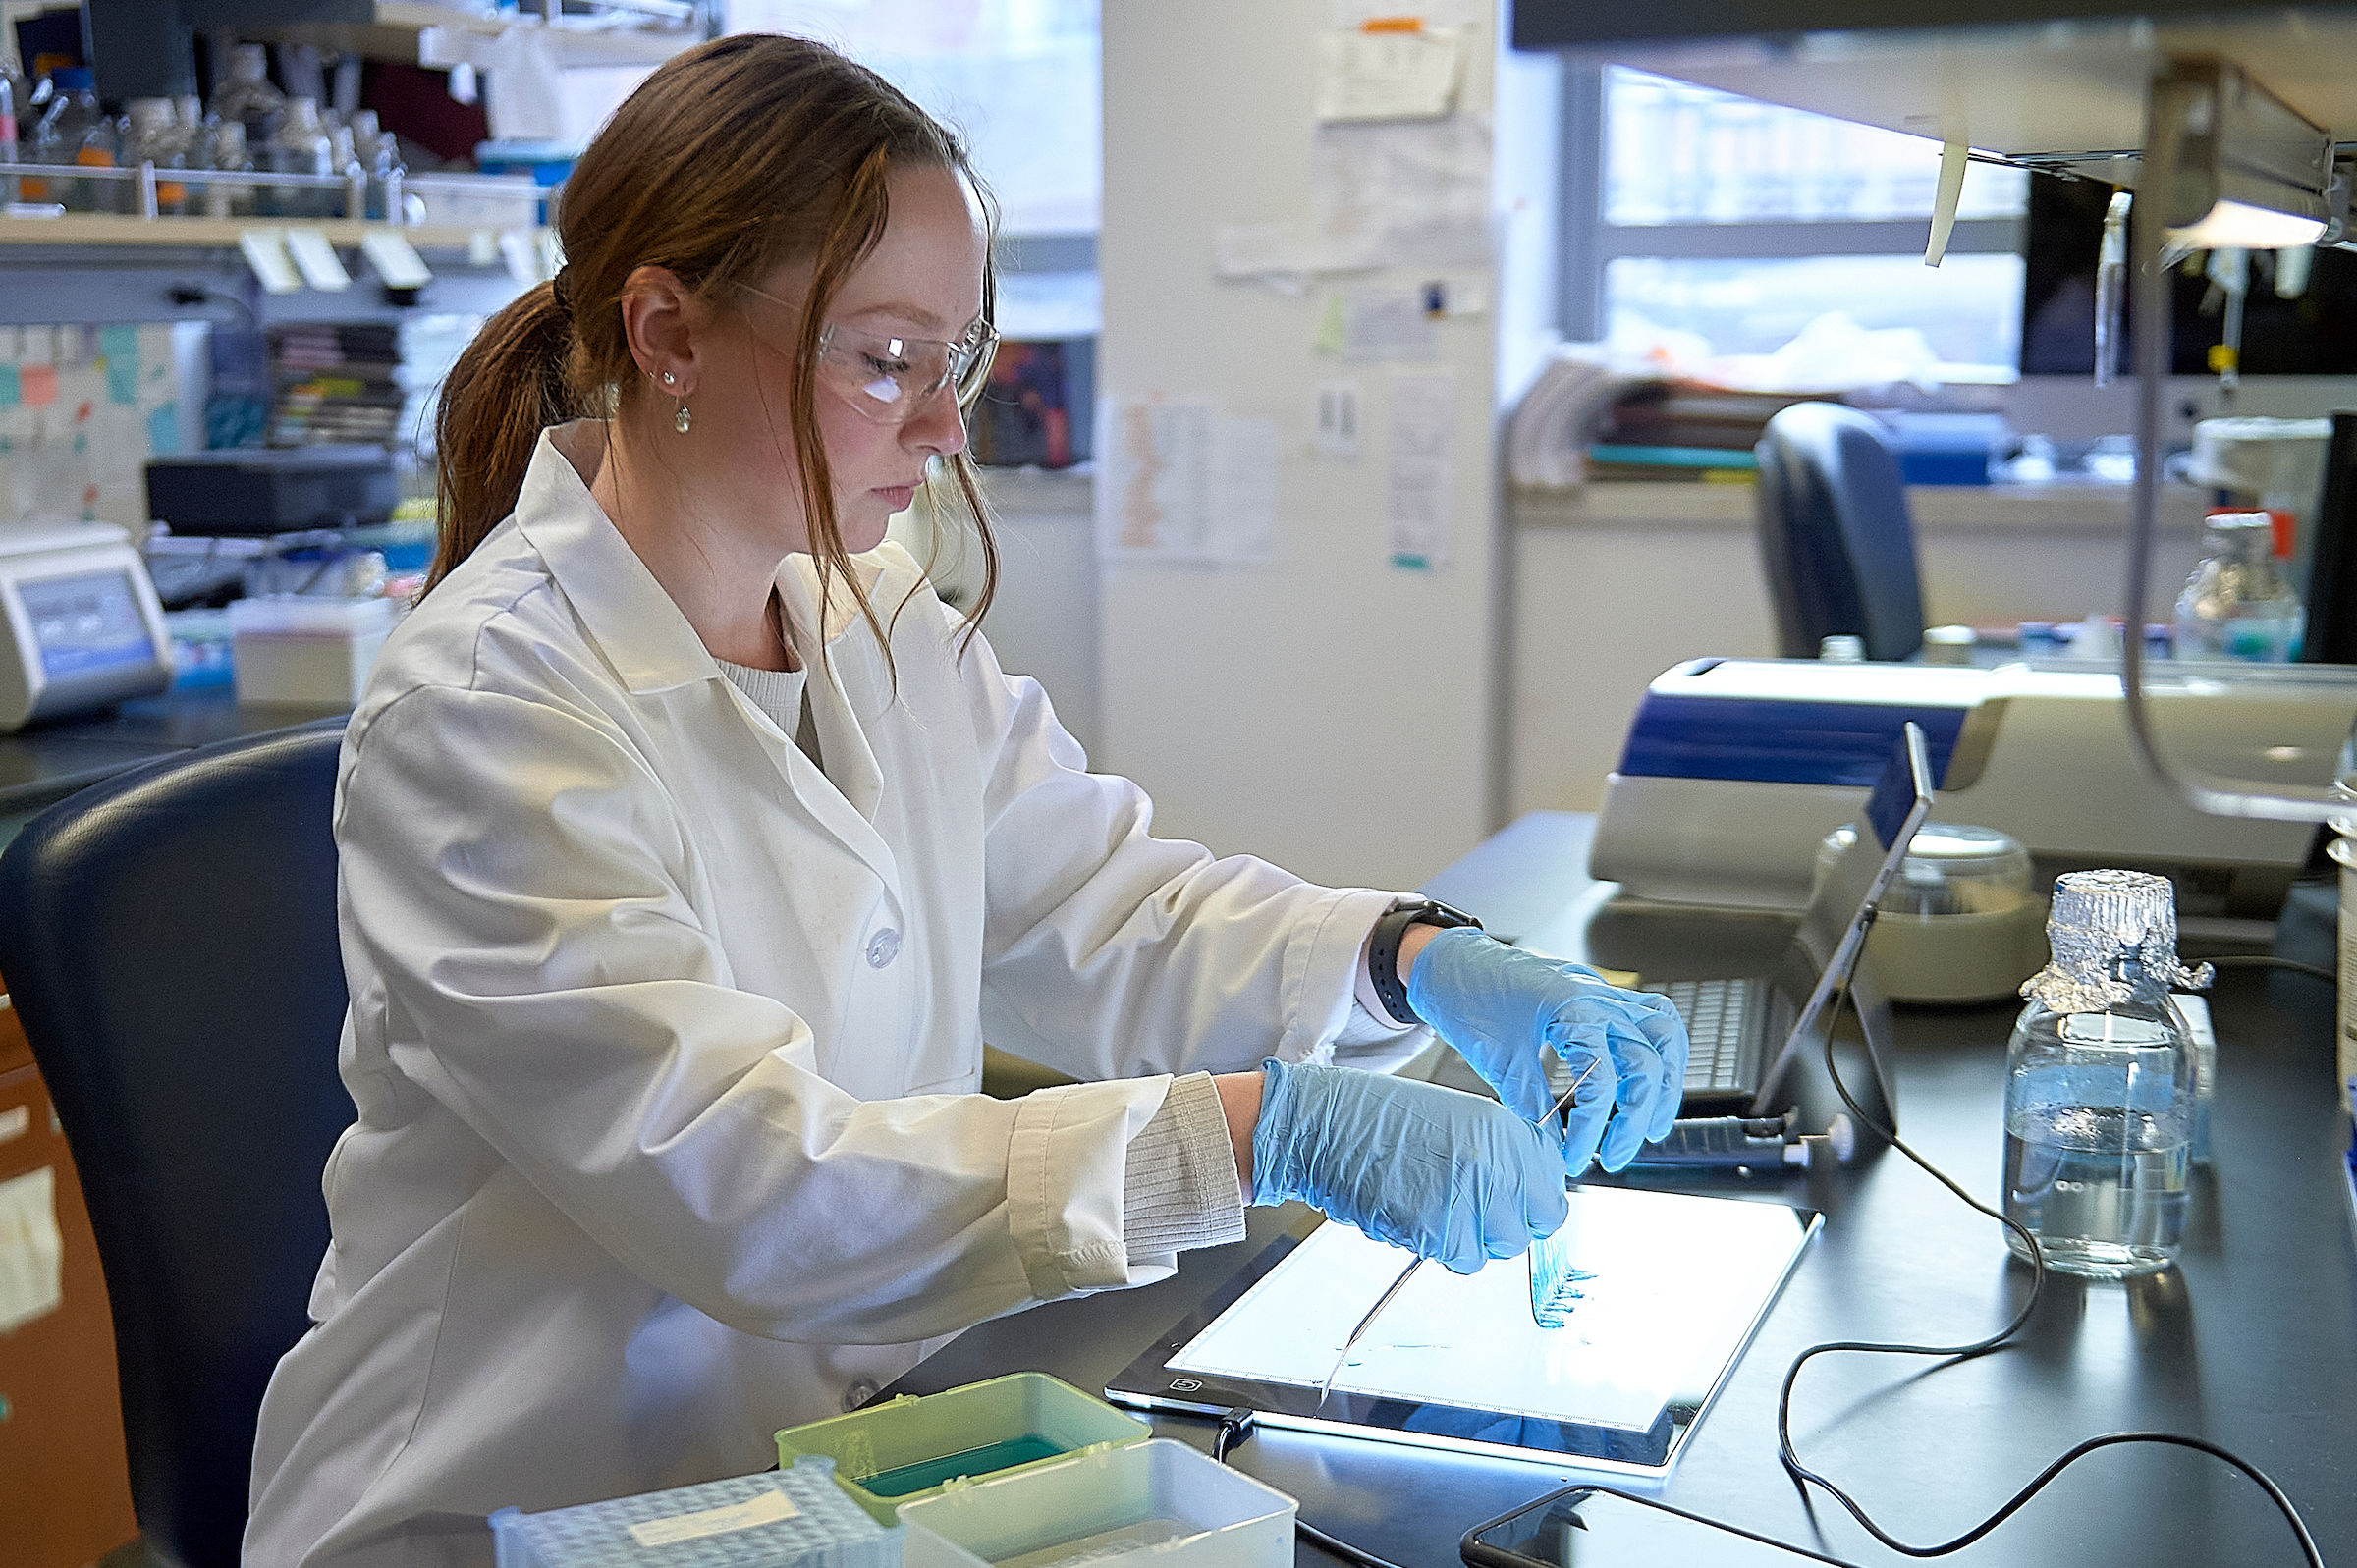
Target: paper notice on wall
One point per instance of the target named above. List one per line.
(1184, 482)
(1387, 324)
(1383, 194)
(1414, 192)
(32, 1254)
(1389, 75)
(1420, 492)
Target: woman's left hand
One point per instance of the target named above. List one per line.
(1505, 1010)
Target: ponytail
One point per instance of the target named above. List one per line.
(508, 386)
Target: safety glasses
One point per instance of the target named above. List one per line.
(886, 378)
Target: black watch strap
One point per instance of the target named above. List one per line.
(1383, 949)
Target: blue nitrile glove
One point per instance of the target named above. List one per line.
(1442, 1174)
(1504, 1010)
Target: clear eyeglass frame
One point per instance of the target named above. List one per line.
(886, 378)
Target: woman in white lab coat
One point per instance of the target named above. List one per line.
(691, 849)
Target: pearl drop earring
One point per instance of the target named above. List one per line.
(679, 421)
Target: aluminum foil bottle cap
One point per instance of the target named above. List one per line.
(2101, 923)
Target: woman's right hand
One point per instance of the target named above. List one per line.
(1445, 1174)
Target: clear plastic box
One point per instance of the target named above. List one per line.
(292, 648)
(477, 200)
(1157, 1503)
(912, 1446)
(792, 1518)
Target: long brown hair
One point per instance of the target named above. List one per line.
(733, 158)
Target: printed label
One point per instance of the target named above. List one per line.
(766, 1509)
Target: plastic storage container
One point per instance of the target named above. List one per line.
(795, 1518)
(1157, 1503)
(295, 649)
(547, 164)
(893, 1453)
(473, 200)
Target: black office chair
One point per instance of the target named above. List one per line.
(169, 938)
(1836, 540)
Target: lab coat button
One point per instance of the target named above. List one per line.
(883, 948)
(862, 1390)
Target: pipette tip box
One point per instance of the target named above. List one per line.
(796, 1517)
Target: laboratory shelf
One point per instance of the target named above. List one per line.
(639, 33)
(115, 229)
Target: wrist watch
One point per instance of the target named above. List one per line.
(1383, 948)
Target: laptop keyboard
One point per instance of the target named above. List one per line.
(1714, 1011)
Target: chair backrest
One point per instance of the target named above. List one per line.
(169, 938)
(1836, 540)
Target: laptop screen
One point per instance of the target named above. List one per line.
(1832, 929)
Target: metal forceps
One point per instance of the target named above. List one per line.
(1414, 1264)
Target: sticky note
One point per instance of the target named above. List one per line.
(37, 385)
(119, 351)
(163, 429)
(9, 394)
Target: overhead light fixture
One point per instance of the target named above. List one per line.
(2251, 171)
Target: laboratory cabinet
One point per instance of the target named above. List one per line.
(64, 1490)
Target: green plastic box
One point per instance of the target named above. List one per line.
(913, 1447)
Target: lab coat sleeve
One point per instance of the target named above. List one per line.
(511, 882)
(1108, 952)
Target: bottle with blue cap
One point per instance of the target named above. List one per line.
(2100, 1081)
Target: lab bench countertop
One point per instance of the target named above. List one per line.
(2249, 1341)
(44, 763)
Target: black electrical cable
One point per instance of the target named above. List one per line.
(1807, 1477)
(1236, 1425)
(2261, 961)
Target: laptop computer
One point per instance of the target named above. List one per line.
(1748, 1030)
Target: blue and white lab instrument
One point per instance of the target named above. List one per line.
(1734, 769)
(80, 625)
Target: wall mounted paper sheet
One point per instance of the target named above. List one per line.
(1389, 76)
(1336, 422)
(1421, 487)
(1388, 324)
(1413, 192)
(1184, 482)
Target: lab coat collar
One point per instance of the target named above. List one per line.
(634, 623)
(631, 620)
(653, 648)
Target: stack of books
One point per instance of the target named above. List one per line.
(334, 383)
(1683, 430)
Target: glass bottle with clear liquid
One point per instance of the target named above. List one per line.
(2240, 603)
(2100, 1082)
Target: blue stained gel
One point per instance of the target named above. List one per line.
(982, 1461)
(1552, 1280)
